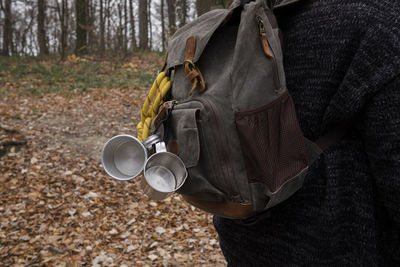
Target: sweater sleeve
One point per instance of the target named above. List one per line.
(381, 133)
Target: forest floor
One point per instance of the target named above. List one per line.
(58, 207)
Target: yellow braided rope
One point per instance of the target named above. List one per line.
(154, 100)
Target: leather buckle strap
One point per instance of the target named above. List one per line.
(193, 73)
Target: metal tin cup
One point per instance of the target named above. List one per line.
(124, 156)
(164, 173)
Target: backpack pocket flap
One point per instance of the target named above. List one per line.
(186, 135)
(202, 29)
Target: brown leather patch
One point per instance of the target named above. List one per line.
(190, 48)
(267, 49)
(226, 209)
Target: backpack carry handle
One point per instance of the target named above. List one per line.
(236, 3)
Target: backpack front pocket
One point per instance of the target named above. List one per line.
(194, 131)
(186, 135)
(272, 142)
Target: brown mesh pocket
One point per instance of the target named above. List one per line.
(272, 142)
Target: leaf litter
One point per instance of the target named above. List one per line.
(58, 206)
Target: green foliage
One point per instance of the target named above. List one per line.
(145, 78)
(38, 76)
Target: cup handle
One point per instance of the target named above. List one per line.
(151, 140)
(161, 147)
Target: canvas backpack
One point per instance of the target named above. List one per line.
(231, 118)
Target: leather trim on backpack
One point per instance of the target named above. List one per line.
(190, 48)
(225, 209)
(193, 73)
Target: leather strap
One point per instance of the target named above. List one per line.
(193, 73)
(225, 209)
(316, 148)
(332, 137)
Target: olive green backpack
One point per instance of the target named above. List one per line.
(232, 120)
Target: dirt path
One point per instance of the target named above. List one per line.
(58, 206)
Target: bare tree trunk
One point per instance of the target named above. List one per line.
(102, 45)
(143, 25)
(28, 28)
(7, 29)
(89, 25)
(59, 15)
(81, 17)
(133, 32)
(31, 42)
(162, 26)
(41, 32)
(183, 12)
(171, 16)
(62, 14)
(120, 29)
(64, 28)
(108, 19)
(150, 26)
(55, 45)
(125, 27)
(66, 25)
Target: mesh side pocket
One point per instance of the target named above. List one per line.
(272, 142)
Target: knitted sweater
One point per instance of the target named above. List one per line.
(342, 63)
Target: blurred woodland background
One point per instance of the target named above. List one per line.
(41, 27)
(72, 75)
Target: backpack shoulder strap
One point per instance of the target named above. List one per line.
(270, 3)
(314, 149)
(285, 3)
(332, 137)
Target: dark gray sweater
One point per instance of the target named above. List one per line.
(342, 62)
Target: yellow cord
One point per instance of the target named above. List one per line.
(154, 100)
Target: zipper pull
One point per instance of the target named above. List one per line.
(263, 38)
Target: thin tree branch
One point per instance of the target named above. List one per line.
(12, 142)
(8, 129)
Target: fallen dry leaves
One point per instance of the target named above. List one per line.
(59, 208)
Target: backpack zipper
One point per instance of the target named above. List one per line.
(268, 51)
(263, 37)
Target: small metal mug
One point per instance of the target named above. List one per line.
(164, 173)
(123, 156)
